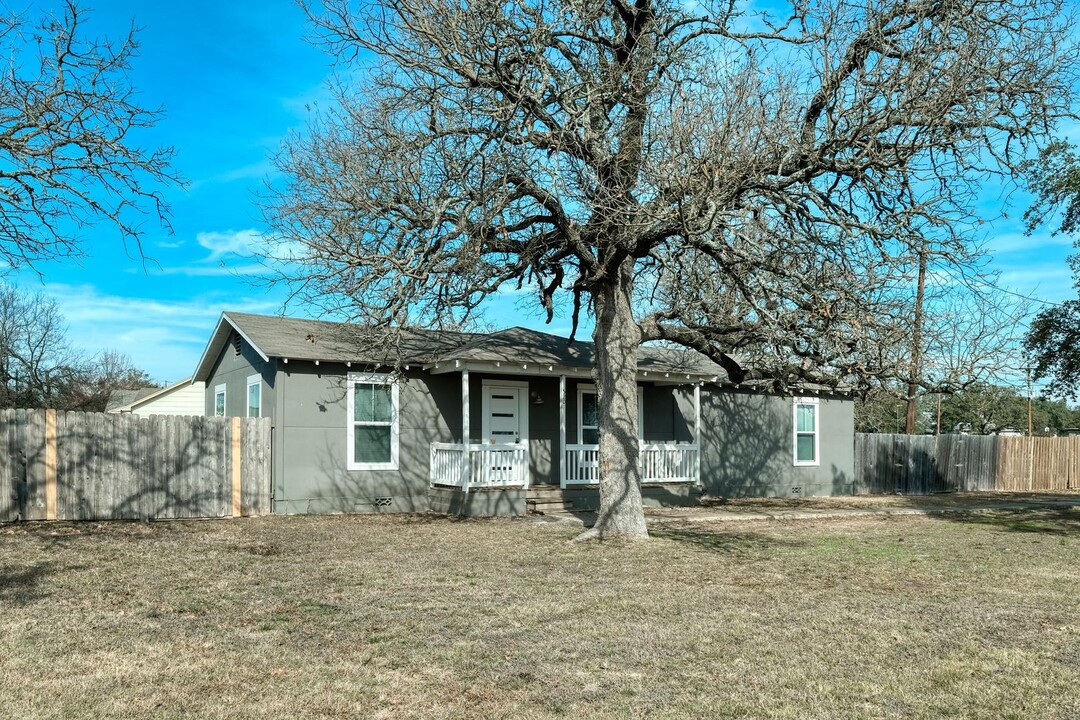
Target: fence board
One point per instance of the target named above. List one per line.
(12, 480)
(124, 467)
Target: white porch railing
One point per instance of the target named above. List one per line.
(659, 463)
(481, 466)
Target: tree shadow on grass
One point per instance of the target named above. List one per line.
(1051, 521)
(22, 586)
(715, 539)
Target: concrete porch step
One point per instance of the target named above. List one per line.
(538, 506)
(545, 492)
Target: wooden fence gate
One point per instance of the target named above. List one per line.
(98, 466)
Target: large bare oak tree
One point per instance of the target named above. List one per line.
(69, 148)
(747, 185)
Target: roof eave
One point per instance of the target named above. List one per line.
(517, 367)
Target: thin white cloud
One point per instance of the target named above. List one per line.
(1048, 281)
(1012, 242)
(222, 269)
(244, 243)
(261, 170)
(163, 338)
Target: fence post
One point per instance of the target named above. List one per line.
(51, 511)
(1031, 462)
(237, 485)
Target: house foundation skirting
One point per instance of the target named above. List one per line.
(478, 502)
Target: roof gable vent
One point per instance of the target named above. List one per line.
(236, 342)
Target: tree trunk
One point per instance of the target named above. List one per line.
(617, 338)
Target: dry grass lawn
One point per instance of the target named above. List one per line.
(385, 617)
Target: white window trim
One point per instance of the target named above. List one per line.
(585, 388)
(523, 407)
(350, 423)
(816, 404)
(221, 390)
(255, 380)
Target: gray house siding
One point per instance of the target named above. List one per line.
(747, 446)
(233, 370)
(313, 474)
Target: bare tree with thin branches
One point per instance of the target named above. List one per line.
(741, 183)
(69, 152)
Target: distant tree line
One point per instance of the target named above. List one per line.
(40, 369)
(981, 409)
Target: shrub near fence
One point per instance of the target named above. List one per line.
(97, 466)
(924, 464)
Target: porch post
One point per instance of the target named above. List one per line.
(466, 434)
(562, 431)
(697, 431)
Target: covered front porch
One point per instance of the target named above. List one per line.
(503, 458)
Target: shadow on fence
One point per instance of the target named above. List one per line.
(95, 466)
(925, 464)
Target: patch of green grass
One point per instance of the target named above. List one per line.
(409, 617)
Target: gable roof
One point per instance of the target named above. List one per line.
(121, 399)
(126, 400)
(310, 340)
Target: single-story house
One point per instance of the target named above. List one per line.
(482, 423)
(181, 398)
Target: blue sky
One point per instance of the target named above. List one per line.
(234, 78)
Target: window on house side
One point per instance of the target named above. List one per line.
(806, 430)
(219, 401)
(373, 422)
(590, 419)
(589, 415)
(254, 396)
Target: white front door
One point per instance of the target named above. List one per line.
(505, 422)
(502, 423)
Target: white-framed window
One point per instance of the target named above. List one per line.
(219, 400)
(254, 396)
(588, 415)
(806, 431)
(373, 422)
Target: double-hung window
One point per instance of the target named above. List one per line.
(373, 422)
(806, 431)
(219, 401)
(589, 415)
(254, 396)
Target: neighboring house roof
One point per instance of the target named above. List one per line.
(125, 400)
(298, 339)
(121, 400)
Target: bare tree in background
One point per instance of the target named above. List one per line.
(38, 366)
(69, 157)
(742, 183)
(970, 334)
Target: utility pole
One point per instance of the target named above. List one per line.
(1028, 371)
(916, 342)
(1031, 437)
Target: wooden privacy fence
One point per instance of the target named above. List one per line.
(923, 464)
(97, 466)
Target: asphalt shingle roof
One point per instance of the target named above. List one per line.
(299, 339)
